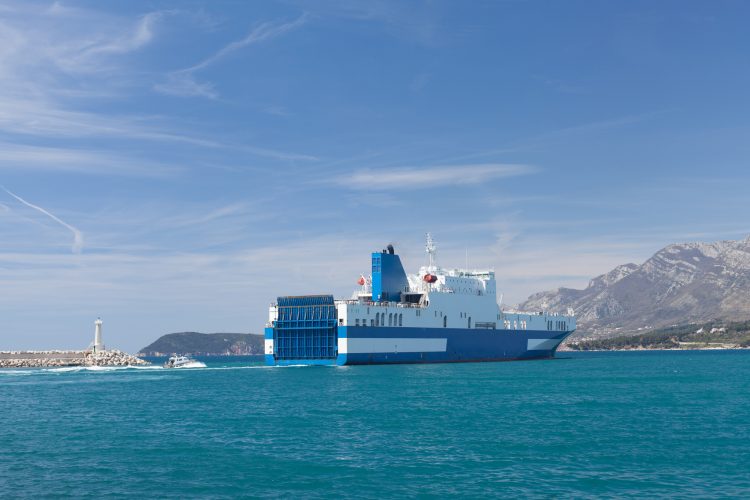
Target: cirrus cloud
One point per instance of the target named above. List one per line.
(444, 175)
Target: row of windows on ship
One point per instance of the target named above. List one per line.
(556, 325)
(397, 319)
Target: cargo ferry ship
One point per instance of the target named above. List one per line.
(434, 316)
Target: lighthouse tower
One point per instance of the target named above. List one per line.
(98, 344)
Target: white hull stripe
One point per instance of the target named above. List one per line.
(541, 344)
(380, 345)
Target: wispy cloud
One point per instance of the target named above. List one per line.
(51, 59)
(279, 155)
(77, 235)
(276, 110)
(551, 137)
(71, 40)
(54, 59)
(263, 32)
(416, 22)
(141, 35)
(233, 209)
(44, 117)
(420, 178)
(48, 159)
(182, 83)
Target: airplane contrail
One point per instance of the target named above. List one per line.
(77, 235)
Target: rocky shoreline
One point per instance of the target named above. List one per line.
(55, 359)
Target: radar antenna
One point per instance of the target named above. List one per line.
(431, 250)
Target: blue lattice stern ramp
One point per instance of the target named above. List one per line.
(305, 332)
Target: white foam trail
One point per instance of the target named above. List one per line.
(66, 369)
(77, 235)
(104, 369)
(16, 373)
(193, 364)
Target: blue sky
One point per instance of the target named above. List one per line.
(175, 166)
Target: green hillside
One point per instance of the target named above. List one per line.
(205, 344)
(692, 336)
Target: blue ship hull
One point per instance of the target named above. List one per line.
(385, 345)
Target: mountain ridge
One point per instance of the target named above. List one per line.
(681, 283)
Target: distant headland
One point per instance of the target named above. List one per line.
(205, 344)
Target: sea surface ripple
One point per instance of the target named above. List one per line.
(633, 424)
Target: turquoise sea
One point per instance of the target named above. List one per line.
(631, 424)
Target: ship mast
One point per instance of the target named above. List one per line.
(431, 251)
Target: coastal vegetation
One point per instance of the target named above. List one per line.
(712, 335)
(197, 343)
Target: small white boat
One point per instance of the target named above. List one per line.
(183, 362)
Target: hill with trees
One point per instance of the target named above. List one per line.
(205, 344)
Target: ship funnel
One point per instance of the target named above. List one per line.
(388, 277)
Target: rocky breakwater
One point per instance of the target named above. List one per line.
(52, 359)
(113, 357)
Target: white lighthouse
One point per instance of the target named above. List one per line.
(98, 344)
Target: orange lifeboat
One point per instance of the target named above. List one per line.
(361, 281)
(430, 278)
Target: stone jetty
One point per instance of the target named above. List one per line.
(50, 359)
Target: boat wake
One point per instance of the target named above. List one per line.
(192, 364)
(124, 369)
(99, 368)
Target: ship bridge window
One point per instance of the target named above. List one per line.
(400, 319)
(445, 321)
(390, 319)
(356, 322)
(469, 322)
